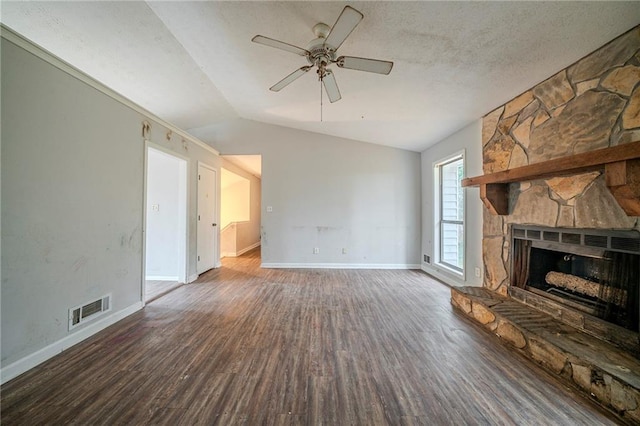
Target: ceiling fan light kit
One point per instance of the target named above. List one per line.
(321, 52)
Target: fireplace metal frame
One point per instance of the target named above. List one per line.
(583, 242)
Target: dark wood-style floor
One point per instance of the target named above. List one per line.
(338, 347)
(156, 288)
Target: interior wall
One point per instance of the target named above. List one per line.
(163, 233)
(235, 201)
(248, 233)
(71, 201)
(329, 193)
(72, 204)
(468, 140)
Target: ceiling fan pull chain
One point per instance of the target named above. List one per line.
(321, 99)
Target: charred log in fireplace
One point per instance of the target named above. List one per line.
(594, 271)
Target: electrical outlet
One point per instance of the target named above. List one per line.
(426, 258)
(477, 271)
(344, 250)
(155, 207)
(316, 250)
(269, 209)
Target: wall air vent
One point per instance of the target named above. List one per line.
(569, 238)
(533, 234)
(595, 240)
(520, 233)
(89, 311)
(627, 244)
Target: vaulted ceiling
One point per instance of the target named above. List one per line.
(193, 63)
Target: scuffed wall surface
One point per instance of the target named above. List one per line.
(330, 193)
(72, 201)
(72, 163)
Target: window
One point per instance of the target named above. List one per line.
(450, 213)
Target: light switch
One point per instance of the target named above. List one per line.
(155, 207)
(269, 209)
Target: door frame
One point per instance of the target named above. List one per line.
(184, 219)
(216, 214)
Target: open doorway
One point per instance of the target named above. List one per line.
(166, 223)
(240, 209)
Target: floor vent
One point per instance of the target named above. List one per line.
(89, 311)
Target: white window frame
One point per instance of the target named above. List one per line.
(437, 223)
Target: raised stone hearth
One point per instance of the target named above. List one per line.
(591, 105)
(606, 373)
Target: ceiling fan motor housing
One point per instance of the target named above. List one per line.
(319, 51)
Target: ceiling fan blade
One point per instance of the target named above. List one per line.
(347, 21)
(280, 45)
(364, 64)
(331, 86)
(290, 78)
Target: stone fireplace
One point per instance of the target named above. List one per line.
(561, 251)
(592, 104)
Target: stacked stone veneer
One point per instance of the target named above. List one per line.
(592, 104)
(604, 373)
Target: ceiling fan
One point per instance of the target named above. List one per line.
(321, 52)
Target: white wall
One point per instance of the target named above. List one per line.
(330, 193)
(468, 139)
(165, 206)
(72, 203)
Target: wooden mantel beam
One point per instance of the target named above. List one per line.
(621, 164)
(623, 180)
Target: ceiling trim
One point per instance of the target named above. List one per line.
(15, 38)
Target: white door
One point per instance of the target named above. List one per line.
(207, 225)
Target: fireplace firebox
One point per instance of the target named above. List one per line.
(595, 273)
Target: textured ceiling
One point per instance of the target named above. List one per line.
(193, 64)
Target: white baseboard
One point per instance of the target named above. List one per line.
(28, 362)
(445, 278)
(192, 278)
(340, 266)
(241, 252)
(162, 278)
(246, 249)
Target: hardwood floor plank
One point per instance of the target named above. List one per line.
(244, 345)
